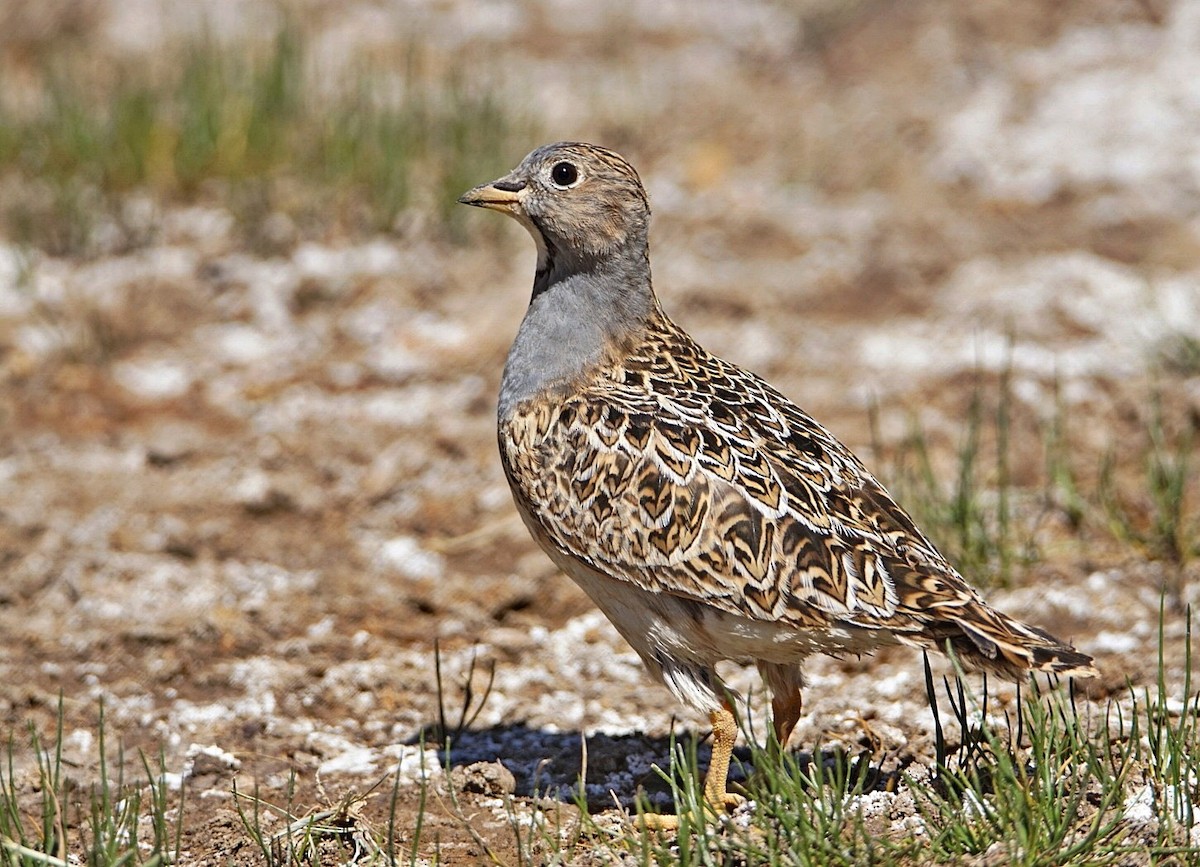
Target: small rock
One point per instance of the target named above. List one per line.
(170, 441)
(485, 778)
(405, 555)
(1139, 807)
(153, 379)
(208, 767)
(357, 760)
(258, 495)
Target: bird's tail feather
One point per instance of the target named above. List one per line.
(984, 638)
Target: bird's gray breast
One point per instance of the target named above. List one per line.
(565, 331)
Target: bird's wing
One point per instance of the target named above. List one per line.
(725, 492)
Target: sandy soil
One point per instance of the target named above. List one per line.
(242, 495)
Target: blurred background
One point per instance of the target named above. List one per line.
(249, 346)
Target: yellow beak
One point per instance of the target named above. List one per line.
(504, 194)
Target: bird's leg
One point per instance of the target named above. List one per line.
(716, 796)
(784, 680)
(724, 734)
(785, 711)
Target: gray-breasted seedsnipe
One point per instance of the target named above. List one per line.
(706, 515)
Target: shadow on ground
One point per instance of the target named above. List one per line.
(616, 769)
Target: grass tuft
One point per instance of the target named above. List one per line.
(54, 821)
(1046, 792)
(339, 829)
(259, 125)
(1155, 518)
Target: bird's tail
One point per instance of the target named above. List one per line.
(984, 638)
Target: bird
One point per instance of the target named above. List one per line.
(702, 511)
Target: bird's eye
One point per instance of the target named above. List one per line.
(564, 174)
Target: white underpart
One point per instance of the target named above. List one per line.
(543, 254)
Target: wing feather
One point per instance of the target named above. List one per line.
(734, 497)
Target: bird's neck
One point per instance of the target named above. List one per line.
(577, 319)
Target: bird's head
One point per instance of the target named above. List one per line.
(583, 204)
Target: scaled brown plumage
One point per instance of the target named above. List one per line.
(681, 473)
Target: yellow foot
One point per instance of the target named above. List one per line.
(729, 803)
(717, 800)
(660, 822)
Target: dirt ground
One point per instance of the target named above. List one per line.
(242, 494)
